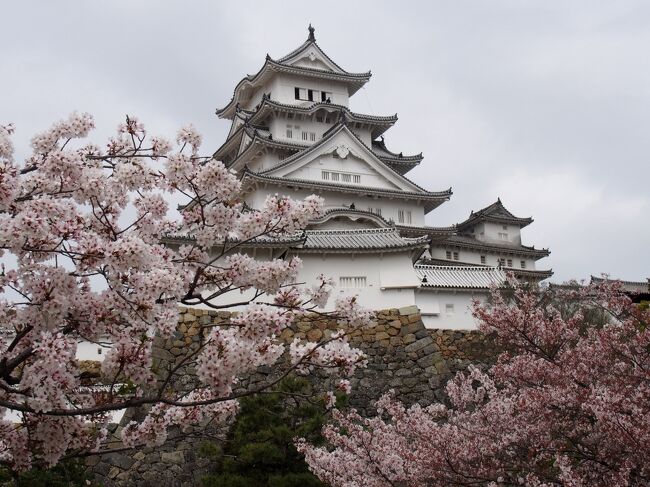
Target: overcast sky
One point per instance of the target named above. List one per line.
(544, 104)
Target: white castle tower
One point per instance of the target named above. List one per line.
(292, 132)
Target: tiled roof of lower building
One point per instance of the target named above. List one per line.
(459, 277)
(628, 286)
(361, 239)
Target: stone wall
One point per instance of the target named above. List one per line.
(402, 354)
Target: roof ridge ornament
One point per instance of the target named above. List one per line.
(312, 37)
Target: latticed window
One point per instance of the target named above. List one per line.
(400, 216)
(483, 259)
(352, 282)
(346, 178)
(325, 175)
(523, 264)
(289, 134)
(312, 136)
(356, 178)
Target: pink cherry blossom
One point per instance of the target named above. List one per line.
(91, 252)
(566, 403)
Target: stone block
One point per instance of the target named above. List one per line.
(382, 335)
(410, 338)
(172, 457)
(113, 472)
(409, 310)
(414, 347)
(314, 335)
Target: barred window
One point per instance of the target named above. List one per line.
(352, 282)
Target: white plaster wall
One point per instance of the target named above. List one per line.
(350, 165)
(378, 270)
(283, 85)
(300, 123)
(389, 207)
(489, 232)
(460, 319)
(474, 257)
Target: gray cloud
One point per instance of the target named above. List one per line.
(545, 104)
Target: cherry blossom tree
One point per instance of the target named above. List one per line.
(82, 232)
(566, 403)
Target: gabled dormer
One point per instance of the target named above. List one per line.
(494, 224)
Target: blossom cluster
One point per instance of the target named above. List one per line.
(88, 235)
(566, 403)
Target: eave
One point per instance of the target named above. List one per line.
(270, 67)
(431, 200)
(522, 250)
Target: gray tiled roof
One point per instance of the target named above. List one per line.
(438, 276)
(431, 200)
(628, 286)
(495, 212)
(360, 239)
(471, 242)
(354, 80)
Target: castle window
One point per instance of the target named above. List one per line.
(289, 134)
(327, 120)
(505, 227)
(483, 259)
(312, 136)
(289, 116)
(502, 262)
(325, 175)
(503, 236)
(304, 136)
(301, 93)
(456, 256)
(319, 119)
(346, 178)
(448, 254)
(449, 309)
(509, 262)
(324, 96)
(335, 176)
(523, 264)
(408, 217)
(310, 95)
(356, 178)
(353, 282)
(400, 216)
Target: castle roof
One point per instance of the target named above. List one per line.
(459, 277)
(333, 132)
(638, 287)
(399, 162)
(379, 123)
(431, 199)
(495, 212)
(365, 239)
(287, 64)
(348, 240)
(465, 241)
(260, 135)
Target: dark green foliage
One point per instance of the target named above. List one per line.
(71, 473)
(259, 451)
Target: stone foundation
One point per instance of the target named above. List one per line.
(402, 354)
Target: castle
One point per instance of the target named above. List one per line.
(293, 132)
